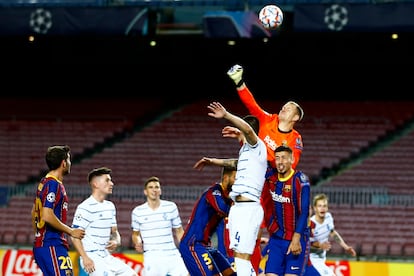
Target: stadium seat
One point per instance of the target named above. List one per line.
(23, 237)
(408, 249)
(8, 237)
(382, 249)
(367, 248)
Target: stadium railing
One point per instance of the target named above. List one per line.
(337, 195)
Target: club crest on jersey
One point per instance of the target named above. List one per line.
(287, 188)
(40, 187)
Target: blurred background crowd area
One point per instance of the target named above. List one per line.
(358, 152)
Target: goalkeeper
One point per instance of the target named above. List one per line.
(275, 129)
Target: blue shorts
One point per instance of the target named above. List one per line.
(203, 260)
(53, 260)
(279, 263)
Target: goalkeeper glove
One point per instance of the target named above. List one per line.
(236, 74)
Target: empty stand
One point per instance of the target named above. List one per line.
(29, 126)
(8, 237)
(169, 146)
(408, 249)
(332, 131)
(374, 231)
(23, 143)
(167, 149)
(336, 249)
(396, 248)
(391, 167)
(22, 238)
(367, 248)
(382, 249)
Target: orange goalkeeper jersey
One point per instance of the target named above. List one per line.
(269, 131)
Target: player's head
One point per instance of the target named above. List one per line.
(253, 122)
(299, 110)
(283, 158)
(320, 204)
(319, 197)
(291, 111)
(100, 180)
(98, 172)
(228, 176)
(152, 188)
(58, 156)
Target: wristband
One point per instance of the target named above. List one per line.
(240, 83)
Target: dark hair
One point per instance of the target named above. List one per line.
(283, 148)
(55, 155)
(253, 122)
(98, 172)
(151, 179)
(228, 169)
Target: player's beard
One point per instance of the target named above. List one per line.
(66, 171)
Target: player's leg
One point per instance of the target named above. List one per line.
(221, 263)
(119, 267)
(245, 219)
(197, 259)
(53, 260)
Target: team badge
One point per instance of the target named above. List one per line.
(287, 188)
(298, 143)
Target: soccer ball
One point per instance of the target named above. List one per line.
(271, 16)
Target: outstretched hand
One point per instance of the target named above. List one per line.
(200, 164)
(231, 132)
(216, 110)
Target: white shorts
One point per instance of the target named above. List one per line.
(109, 266)
(156, 264)
(321, 267)
(245, 219)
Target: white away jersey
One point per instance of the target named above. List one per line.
(155, 226)
(97, 218)
(251, 171)
(321, 234)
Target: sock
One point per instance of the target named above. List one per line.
(244, 267)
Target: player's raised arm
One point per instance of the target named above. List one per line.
(218, 111)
